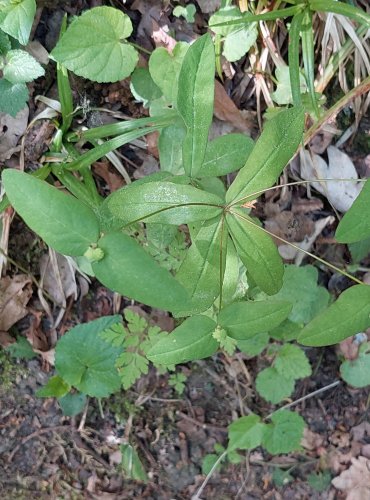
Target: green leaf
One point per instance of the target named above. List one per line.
(165, 68)
(283, 92)
(355, 225)
(21, 349)
(356, 372)
(294, 91)
(130, 271)
(257, 251)
(131, 365)
(228, 344)
(226, 154)
(20, 67)
(243, 320)
(231, 274)
(308, 55)
(200, 271)
(348, 315)
(285, 433)
(163, 202)
(274, 148)
(246, 433)
(291, 362)
(94, 46)
(281, 477)
(62, 221)
(16, 18)
(300, 289)
(72, 404)
(56, 387)
(341, 8)
(187, 12)
(143, 87)
(208, 462)
(320, 481)
(195, 101)
(359, 249)
(191, 340)
(13, 97)
(272, 386)
(288, 330)
(170, 154)
(131, 464)
(5, 44)
(86, 361)
(254, 345)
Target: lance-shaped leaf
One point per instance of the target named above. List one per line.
(127, 269)
(94, 46)
(62, 221)
(242, 320)
(350, 314)
(355, 225)
(195, 101)
(163, 202)
(275, 147)
(257, 251)
(191, 340)
(16, 18)
(226, 154)
(200, 271)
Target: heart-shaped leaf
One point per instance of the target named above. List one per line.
(16, 18)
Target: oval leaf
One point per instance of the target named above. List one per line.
(20, 67)
(195, 101)
(257, 251)
(127, 269)
(275, 147)
(242, 320)
(94, 47)
(62, 221)
(163, 202)
(355, 225)
(348, 315)
(16, 18)
(191, 340)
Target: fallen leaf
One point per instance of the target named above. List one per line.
(349, 349)
(360, 431)
(209, 6)
(311, 440)
(113, 180)
(15, 293)
(355, 481)
(11, 130)
(59, 278)
(226, 110)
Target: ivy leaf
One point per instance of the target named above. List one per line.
(56, 387)
(349, 314)
(274, 148)
(246, 433)
(273, 386)
(285, 433)
(195, 101)
(13, 97)
(16, 18)
(86, 361)
(242, 320)
(20, 67)
(191, 340)
(355, 225)
(94, 46)
(356, 372)
(62, 221)
(291, 362)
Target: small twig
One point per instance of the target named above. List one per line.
(83, 418)
(200, 424)
(208, 477)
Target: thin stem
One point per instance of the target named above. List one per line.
(337, 269)
(138, 47)
(209, 475)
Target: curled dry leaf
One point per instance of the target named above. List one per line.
(355, 481)
(15, 293)
(11, 130)
(59, 278)
(226, 110)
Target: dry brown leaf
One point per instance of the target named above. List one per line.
(349, 348)
(113, 180)
(59, 278)
(311, 440)
(14, 296)
(11, 130)
(226, 110)
(360, 431)
(355, 481)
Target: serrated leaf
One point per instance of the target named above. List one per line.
(86, 361)
(62, 221)
(246, 433)
(165, 68)
(13, 97)
(226, 154)
(301, 290)
(272, 386)
(275, 147)
(127, 269)
(200, 271)
(257, 251)
(56, 387)
(21, 67)
(195, 101)
(16, 18)
(243, 320)
(191, 340)
(72, 404)
(94, 46)
(291, 362)
(285, 433)
(131, 365)
(355, 225)
(356, 372)
(162, 202)
(349, 314)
